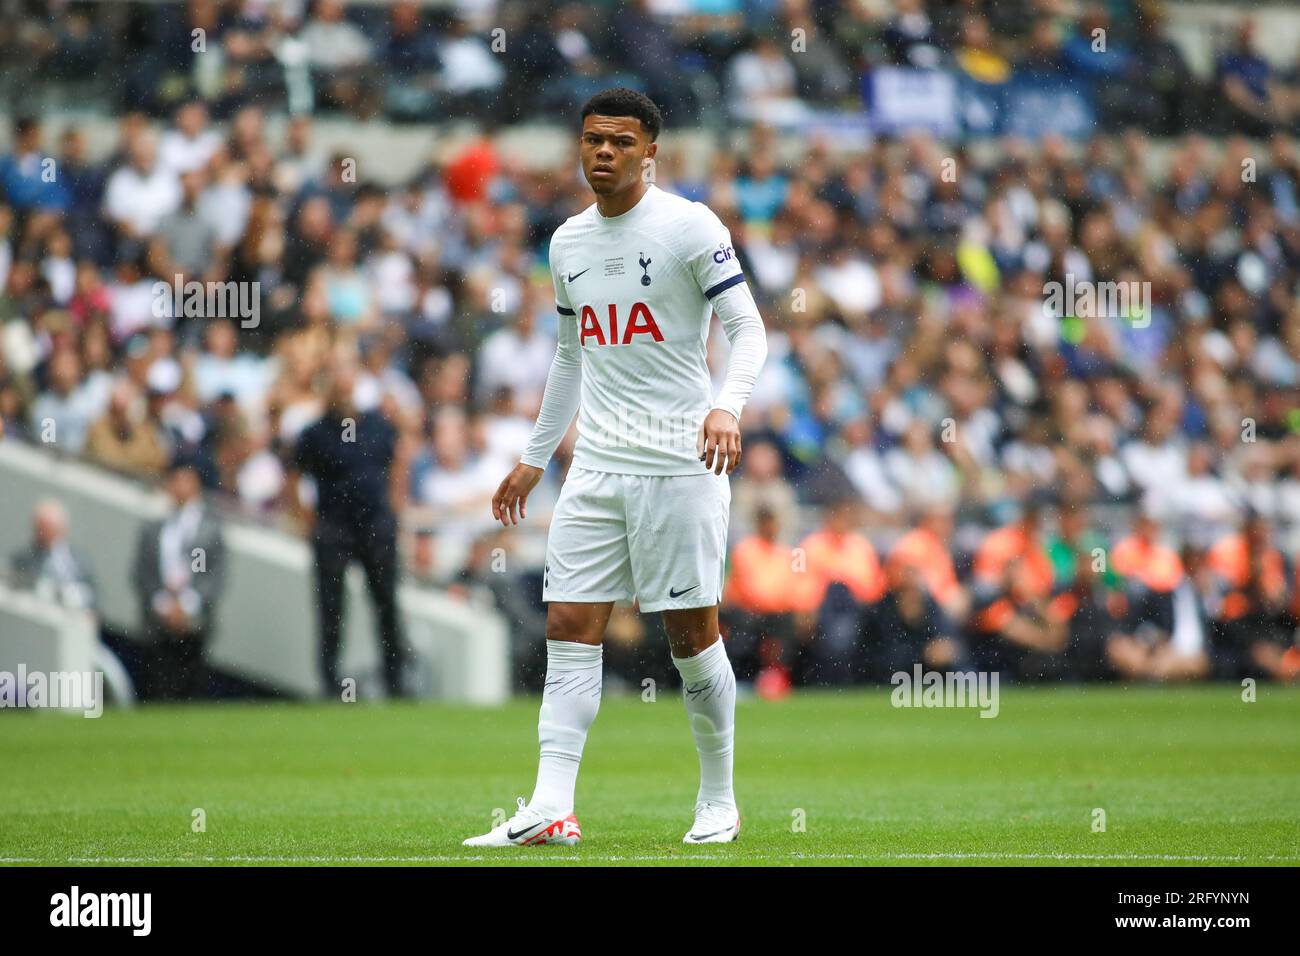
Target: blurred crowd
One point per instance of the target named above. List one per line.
(506, 61)
(942, 464)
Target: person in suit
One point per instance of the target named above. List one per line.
(350, 454)
(179, 574)
(49, 565)
(54, 570)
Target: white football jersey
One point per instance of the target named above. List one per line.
(634, 295)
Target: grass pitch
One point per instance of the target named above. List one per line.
(1191, 775)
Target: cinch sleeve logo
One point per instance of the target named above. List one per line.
(640, 322)
(724, 254)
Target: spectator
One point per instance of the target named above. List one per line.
(333, 43)
(62, 415)
(1250, 636)
(759, 602)
(1022, 632)
(57, 572)
(186, 244)
(298, 163)
(1087, 589)
(910, 38)
(452, 486)
(761, 85)
(469, 69)
(221, 368)
(410, 50)
(908, 628)
(1093, 50)
(838, 554)
(29, 177)
(338, 51)
(844, 581)
(140, 194)
(1181, 652)
(1162, 92)
(926, 550)
(84, 182)
(191, 145)
(518, 358)
(344, 285)
(50, 565)
(122, 441)
(1255, 103)
(645, 43)
(135, 303)
(1043, 55)
(761, 484)
(13, 418)
(179, 575)
(1151, 572)
(921, 474)
(977, 53)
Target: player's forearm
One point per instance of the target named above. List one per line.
(559, 405)
(744, 328)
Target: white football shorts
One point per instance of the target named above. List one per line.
(660, 539)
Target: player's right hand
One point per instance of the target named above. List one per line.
(508, 504)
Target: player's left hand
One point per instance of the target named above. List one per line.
(719, 441)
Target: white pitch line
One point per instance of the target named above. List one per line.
(683, 858)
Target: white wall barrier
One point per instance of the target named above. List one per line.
(266, 621)
(39, 637)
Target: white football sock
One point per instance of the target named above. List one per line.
(709, 692)
(574, 678)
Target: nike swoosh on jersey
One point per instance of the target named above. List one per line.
(573, 276)
(676, 594)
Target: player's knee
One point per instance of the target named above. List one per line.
(569, 623)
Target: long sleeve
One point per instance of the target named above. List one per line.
(711, 258)
(744, 329)
(559, 400)
(564, 380)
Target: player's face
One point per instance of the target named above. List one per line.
(615, 150)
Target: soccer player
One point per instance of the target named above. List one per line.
(643, 511)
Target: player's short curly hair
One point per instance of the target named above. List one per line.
(620, 101)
